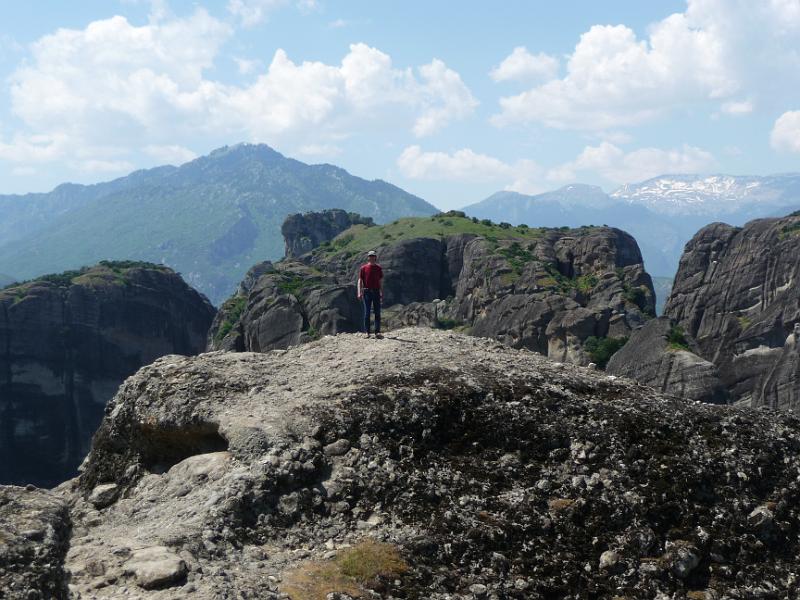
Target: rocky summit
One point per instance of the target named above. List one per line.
(736, 300)
(302, 232)
(548, 290)
(428, 465)
(67, 341)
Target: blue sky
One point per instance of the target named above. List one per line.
(451, 101)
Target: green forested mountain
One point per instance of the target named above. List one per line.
(210, 219)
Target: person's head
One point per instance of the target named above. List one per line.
(372, 256)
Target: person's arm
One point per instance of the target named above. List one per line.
(359, 286)
(380, 285)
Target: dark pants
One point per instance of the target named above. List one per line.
(372, 300)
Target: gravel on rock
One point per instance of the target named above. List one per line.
(496, 472)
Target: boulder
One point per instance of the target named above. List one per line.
(485, 468)
(156, 567)
(34, 537)
(650, 358)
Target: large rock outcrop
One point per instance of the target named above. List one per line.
(304, 232)
(35, 529)
(670, 367)
(490, 473)
(543, 289)
(67, 342)
(737, 294)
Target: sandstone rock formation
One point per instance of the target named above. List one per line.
(304, 232)
(736, 292)
(547, 290)
(670, 367)
(67, 342)
(34, 537)
(494, 472)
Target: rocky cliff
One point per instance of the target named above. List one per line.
(67, 342)
(736, 293)
(304, 232)
(661, 355)
(548, 290)
(426, 465)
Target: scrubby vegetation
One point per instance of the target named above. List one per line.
(295, 283)
(116, 268)
(601, 349)
(232, 308)
(360, 238)
(638, 295)
(790, 230)
(351, 572)
(676, 338)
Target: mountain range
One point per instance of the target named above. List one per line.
(662, 213)
(210, 219)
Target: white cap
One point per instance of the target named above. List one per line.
(372, 253)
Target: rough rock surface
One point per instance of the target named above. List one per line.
(66, 344)
(496, 472)
(34, 536)
(649, 358)
(736, 292)
(547, 292)
(304, 232)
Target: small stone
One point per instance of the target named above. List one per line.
(609, 559)
(156, 567)
(104, 495)
(337, 448)
(683, 558)
(760, 517)
(478, 590)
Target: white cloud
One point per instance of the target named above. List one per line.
(736, 109)
(23, 171)
(338, 23)
(444, 98)
(463, 165)
(246, 66)
(136, 88)
(521, 65)
(467, 166)
(616, 165)
(605, 160)
(319, 150)
(105, 166)
(714, 51)
(171, 154)
(252, 12)
(33, 148)
(786, 132)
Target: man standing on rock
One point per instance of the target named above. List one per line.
(370, 289)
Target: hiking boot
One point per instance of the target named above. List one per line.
(378, 335)
(367, 335)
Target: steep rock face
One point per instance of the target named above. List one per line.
(493, 471)
(67, 342)
(736, 292)
(547, 290)
(304, 232)
(649, 358)
(35, 526)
